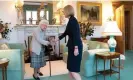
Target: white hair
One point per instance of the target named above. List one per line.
(43, 22)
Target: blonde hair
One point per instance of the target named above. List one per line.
(69, 10)
(43, 22)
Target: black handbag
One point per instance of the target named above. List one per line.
(48, 49)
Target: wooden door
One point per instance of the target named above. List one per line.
(127, 30)
(119, 14)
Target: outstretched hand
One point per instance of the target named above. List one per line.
(56, 40)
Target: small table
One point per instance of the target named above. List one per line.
(107, 56)
(3, 65)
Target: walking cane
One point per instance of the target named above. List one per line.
(49, 52)
(49, 64)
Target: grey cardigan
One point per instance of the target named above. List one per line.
(38, 40)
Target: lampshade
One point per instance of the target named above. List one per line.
(111, 28)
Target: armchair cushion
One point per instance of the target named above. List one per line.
(65, 55)
(4, 46)
(93, 45)
(85, 46)
(104, 45)
(63, 48)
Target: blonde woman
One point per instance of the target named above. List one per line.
(74, 43)
(37, 55)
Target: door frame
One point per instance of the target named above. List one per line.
(128, 7)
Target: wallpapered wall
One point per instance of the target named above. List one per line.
(8, 13)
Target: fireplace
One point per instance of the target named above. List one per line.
(53, 31)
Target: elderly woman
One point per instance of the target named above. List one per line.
(37, 55)
(74, 43)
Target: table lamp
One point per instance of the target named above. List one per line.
(111, 29)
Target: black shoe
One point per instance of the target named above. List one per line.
(40, 74)
(36, 78)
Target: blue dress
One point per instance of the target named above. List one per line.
(73, 32)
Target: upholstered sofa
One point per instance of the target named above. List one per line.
(15, 69)
(90, 48)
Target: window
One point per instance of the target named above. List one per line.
(47, 15)
(31, 10)
(42, 13)
(31, 17)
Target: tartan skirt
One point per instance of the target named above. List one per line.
(38, 61)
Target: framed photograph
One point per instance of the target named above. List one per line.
(88, 11)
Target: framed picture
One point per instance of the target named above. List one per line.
(88, 11)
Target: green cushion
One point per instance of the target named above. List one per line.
(85, 46)
(4, 46)
(63, 48)
(65, 55)
(93, 45)
(104, 45)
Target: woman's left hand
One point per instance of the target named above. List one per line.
(76, 52)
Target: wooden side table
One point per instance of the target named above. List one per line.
(107, 56)
(3, 65)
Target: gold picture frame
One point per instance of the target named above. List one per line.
(88, 11)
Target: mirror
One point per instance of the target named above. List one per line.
(33, 12)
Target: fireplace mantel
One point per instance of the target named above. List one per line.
(23, 31)
(58, 28)
(33, 26)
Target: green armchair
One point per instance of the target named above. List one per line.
(15, 69)
(90, 48)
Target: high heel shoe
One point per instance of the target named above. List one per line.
(40, 74)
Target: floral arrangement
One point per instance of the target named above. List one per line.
(4, 29)
(86, 29)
